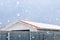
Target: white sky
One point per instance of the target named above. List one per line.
(46, 11)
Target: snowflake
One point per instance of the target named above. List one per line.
(19, 35)
(8, 20)
(48, 32)
(57, 11)
(1, 3)
(18, 14)
(33, 37)
(57, 19)
(18, 2)
(0, 22)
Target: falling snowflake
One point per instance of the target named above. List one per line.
(33, 37)
(0, 22)
(57, 19)
(48, 32)
(18, 2)
(57, 11)
(8, 20)
(1, 4)
(19, 35)
(18, 14)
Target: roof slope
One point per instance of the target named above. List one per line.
(42, 25)
(34, 25)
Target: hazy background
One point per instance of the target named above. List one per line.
(45, 11)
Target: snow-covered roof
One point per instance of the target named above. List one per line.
(34, 25)
(42, 25)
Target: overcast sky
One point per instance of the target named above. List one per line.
(45, 11)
